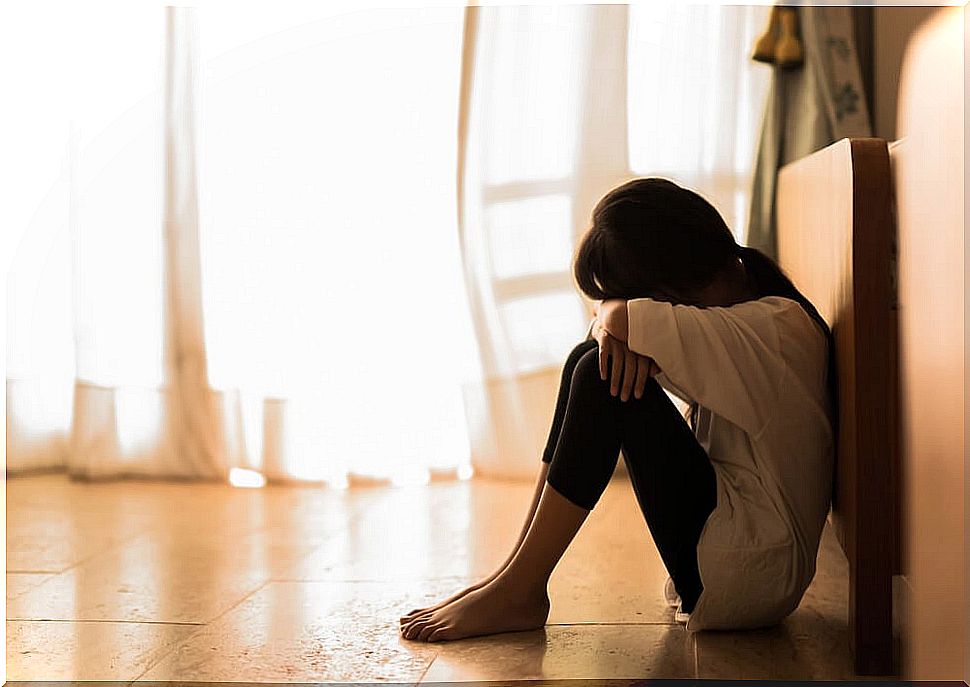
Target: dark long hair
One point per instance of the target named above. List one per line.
(650, 237)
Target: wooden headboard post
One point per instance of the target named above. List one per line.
(836, 240)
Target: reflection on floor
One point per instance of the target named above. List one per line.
(170, 581)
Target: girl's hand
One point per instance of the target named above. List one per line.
(629, 371)
(612, 315)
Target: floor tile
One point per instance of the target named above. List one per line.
(158, 578)
(436, 532)
(18, 583)
(55, 651)
(810, 644)
(42, 540)
(734, 655)
(560, 652)
(310, 632)
(611, 574)
(298, 583)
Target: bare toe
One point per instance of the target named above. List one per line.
(423, 614)
(412, 630)
(497, 607)
(439, 634)
(427, 631)
(405, 619)
(416, 623)
(418, 611)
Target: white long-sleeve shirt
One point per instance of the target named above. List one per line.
(758, 371)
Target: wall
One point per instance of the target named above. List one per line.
(892, 27)
(929, 184)
(966, 373)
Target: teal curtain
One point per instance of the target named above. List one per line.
(808, 107)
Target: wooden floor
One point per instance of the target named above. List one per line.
(167, 581)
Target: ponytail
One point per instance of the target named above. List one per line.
(770, 280)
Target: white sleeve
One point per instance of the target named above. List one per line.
(727, 359)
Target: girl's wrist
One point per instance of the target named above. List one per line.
(615, 322)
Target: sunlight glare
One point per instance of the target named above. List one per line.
(410, 478)
(250, 479)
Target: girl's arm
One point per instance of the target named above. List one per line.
(727, 359)
(629, 370)
(613, 317)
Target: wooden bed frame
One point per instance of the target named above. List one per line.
(836, 240)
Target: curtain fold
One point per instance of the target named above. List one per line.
(191, 414)
(559, 105)
(166, 425)
(249, 261)
(808, 108)
(83, 344)
(257, 254)
(527, 74)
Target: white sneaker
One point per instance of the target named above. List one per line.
(670, 593)
(680, 616)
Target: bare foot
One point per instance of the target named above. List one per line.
(419, 612)
(499, 606)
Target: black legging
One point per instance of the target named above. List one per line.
(672, 476)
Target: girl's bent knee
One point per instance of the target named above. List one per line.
(586, 376)
(569, 490)
(581, 349)
(587, 370)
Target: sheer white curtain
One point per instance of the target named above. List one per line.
(82, 200)
(335, 316)
(696, 101)
(245, 254)
(239, 245)
(561, 104)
